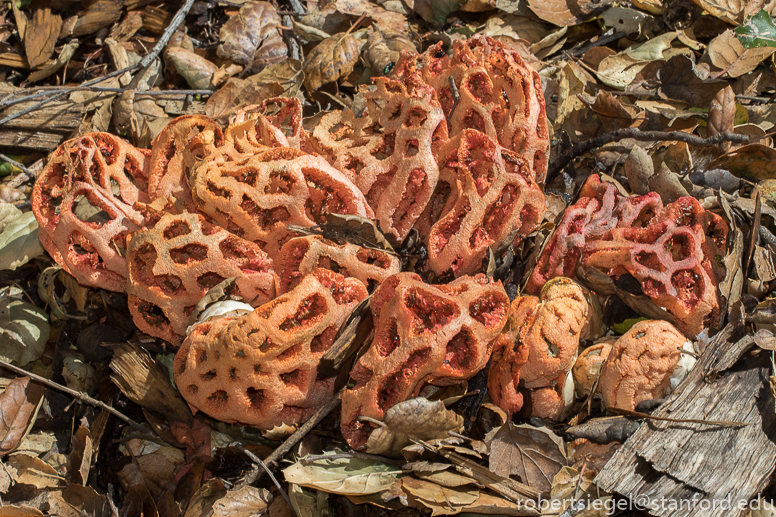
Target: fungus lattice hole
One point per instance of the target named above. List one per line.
(290, 353)
(373, 258)
(323, 341)
(296, 379)
(416, 184)
(430, 312)
(460, 350)
(255, 398)
(218, 400)
(169, 284)
(387, 343)
(474, 120)
(176, 229)
(689, 284)
(650, 260)
(416, 117)
(394, 389)
(309, 312)
(480, 87)
(489, 310)
(189, 253)
(680, 247)
(209, 375)
(209, 280)
(379, 186)
(153, 314)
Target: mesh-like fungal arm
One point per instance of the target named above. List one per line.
(302, 255)
(389, 151)
(640, 364)
(174, 152)
(437, 334)
(276, 122)
(673, 257)
(485, 192)
(172, 266)
(495, 92)
(600, 209)
(261, 369)
(672, 251)
(540, 344)
(257, 197)
(79, 182)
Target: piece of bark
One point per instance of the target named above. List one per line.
(685, 461)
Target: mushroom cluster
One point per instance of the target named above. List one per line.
(452, 147)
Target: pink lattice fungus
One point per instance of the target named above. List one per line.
(437, 334)
(261, 369)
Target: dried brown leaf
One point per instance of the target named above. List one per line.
(382, 50)
(564, 13)
(12, 510)
(81, 456)
(416, 418)
(31, 470)
(19, 404)
(680, 80)
(727, 53)
(731, 11)
(534, 454)
(251, 37)
(331, 59)
(243, 502)
(753, 161)
(195, 69)
(41, 34)
(722, 114)
(77, 501)
(102, 13)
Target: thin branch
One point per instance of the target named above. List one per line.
(263, 465)
(637, 414)
(274, 458)
(18, 165)
(66, 89)
(649, 136)
(83, 397)
(143, 63)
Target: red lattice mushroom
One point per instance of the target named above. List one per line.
(485, 192)
(257, 197)
(640, 364)
(175, 151)
(302, 255)
(172, 266)
(495, 92)
(538, 348)
(673, 251)
(388, 152)
(437, 334)
(261, 369)
(276, 122)
(79, 180)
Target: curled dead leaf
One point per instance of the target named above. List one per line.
(382, 50)
(251, 37)
(331, 59)
(416, 418)
(195, 69)
(19, 405)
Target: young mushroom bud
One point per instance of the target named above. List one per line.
(642, 363)
(435, 334)
(542, 339)
(587, 367)
(261, 369)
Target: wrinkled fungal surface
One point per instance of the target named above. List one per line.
(276, 122)
(261, 369)
(538, 348)
(640, 364)
(173, 264)
(302, 255)
(485, 192)
(437, 334)
(388, 151)
(84, 202)
(673, 251)
(495, 91)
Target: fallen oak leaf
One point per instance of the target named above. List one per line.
(19, 405)
(331, 59)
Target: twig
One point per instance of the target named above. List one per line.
(258, 461)
(60, 89)
(273, 459)
(143, 63)
(297, 6)
(17, 165)
(621, 134)
(83, 397)
(636, 414)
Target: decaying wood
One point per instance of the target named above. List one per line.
(697, 469)
(41, 130)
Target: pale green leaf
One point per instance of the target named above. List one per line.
(344, 475)
(19, 242)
